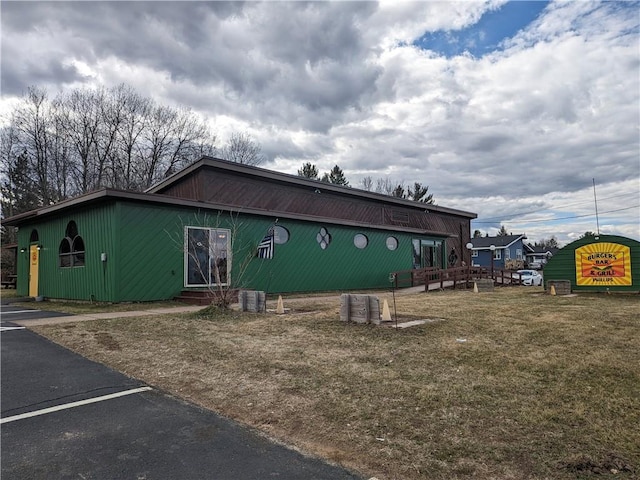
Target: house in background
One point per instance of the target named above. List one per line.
(537, 257)
(507, 248)
(222, 224)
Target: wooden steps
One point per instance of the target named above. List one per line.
(202, 297)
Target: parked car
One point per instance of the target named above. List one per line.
(536, 265)
(530, 277)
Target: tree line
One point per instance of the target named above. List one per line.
(417, 192)
(52, 149)
(56, 148)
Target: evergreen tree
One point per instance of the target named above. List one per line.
(502, 232)
(18, 189)
(17, 195)
(399, 191)
(308, 170)
(419, 194)
(336, 177)
(477, 234)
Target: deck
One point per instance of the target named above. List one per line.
(459, 277)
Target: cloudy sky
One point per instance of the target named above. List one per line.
(509, 110)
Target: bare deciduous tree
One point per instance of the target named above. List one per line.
(220, 266)
(32, 121)
(187, 135)
(128, 156)
(91, 138)
(241, 148)
(385, 186)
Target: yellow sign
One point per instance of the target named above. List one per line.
(603, 264)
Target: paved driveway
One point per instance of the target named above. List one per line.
(64, 416)
(10, 314)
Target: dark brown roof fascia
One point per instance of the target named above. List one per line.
(301, 181)
(109, 194)
(82, 199)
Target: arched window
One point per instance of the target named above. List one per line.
(71, 249)
(72, 230)
(78, 251)
(64, 252)
(33, 238)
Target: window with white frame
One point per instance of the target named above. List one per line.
(206, 256)
(474, 253)
(507, 254)
(518, 254)
(497, 254)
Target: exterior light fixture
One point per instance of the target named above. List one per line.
(470, 248)
(493, 249)
(39, 247)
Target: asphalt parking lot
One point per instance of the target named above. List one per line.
(10, 313)
(65, 417)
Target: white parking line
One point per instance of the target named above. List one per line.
(19, 311)
(67, 406)
(4, 329)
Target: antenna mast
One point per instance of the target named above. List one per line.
(596, 202)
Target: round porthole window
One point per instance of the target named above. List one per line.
(280, 235)
(360, 240)
(392, 243)
(323, 238)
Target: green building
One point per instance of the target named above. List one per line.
(597, 264)
(223, 223)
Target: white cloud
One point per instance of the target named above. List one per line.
(527, 126)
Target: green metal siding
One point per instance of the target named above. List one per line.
(145, 258)
(22, 266)
(95, 280)
(301, 265)
(153, 259)
(150, 259)
(562, 266)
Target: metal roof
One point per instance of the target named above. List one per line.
(263, 173)
(504, 241)
(106, 194)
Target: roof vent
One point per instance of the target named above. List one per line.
(398, 216)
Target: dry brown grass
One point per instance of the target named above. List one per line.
(81, 307)
(542, 387)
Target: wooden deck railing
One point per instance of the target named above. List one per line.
(452, 277)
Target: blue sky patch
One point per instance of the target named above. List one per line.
(486, 35)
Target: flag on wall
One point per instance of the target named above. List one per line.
(265, 247)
